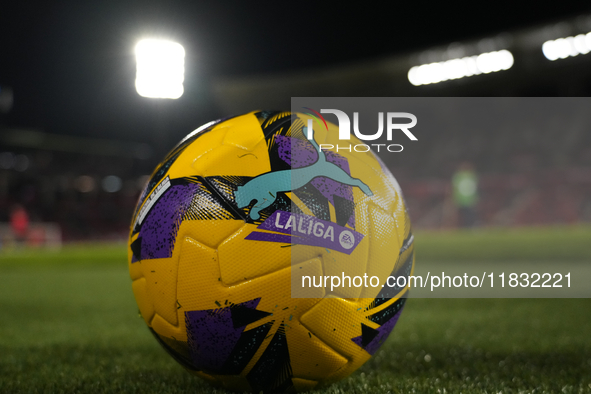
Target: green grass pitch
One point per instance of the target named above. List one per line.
(69, 323)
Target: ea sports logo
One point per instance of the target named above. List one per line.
(347, 239)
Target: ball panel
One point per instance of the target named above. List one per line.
(384, 195)
(236, 135)
(165, 329)
(200, 273)
(237, 266)
(332, 321)
(230, 160)
(310, 357)
(312, 268)
(143, 299)
(211, 232)
(161, 282)
(208, 140)
(384, 245)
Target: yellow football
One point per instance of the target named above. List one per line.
(236, 230)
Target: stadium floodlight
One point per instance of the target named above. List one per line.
(561, 48)
(459, 68)
(160, 69)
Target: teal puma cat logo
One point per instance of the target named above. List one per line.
(264, 188)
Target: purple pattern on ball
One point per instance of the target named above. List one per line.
(159, 229)
(384, 331)
(212, 336)
(295, 152)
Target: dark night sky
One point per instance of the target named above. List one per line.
(72, 69)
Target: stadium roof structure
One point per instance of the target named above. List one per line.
(531, 74)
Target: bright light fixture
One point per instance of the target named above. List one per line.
(459, 68)
(160, 69)
(562, 48)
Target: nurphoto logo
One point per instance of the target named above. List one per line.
(344, 123)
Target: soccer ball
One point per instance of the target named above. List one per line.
(237, 215)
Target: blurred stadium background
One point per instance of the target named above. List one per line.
(77, 144)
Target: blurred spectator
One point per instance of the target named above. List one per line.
(19, 223)
(465, 194)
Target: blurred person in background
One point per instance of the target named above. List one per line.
(19, 223)
(465, 194)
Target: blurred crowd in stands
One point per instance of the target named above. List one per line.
(88, 196)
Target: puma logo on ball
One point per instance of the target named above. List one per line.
(263, 189)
